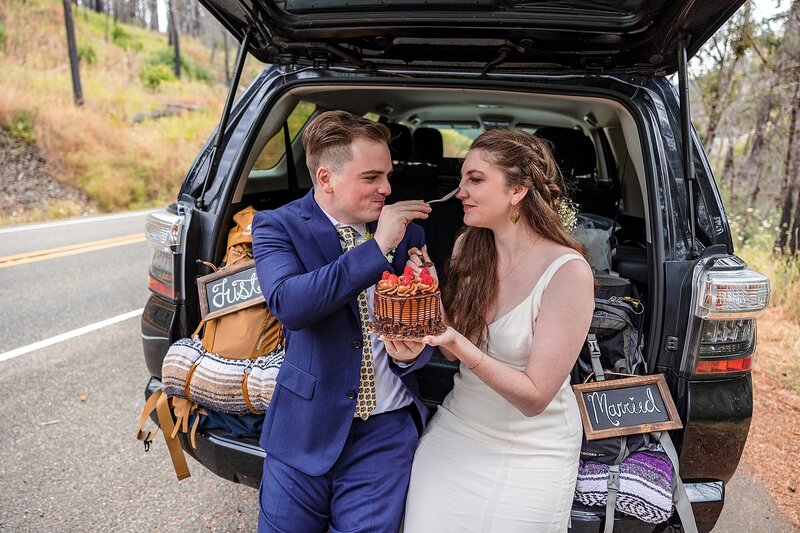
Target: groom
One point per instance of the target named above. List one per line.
(343, 423)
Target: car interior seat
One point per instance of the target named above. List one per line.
(576, 158)
(400, 142)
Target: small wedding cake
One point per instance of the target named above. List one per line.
(407, 306)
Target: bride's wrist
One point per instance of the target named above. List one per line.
(471, 355)
(477, 362)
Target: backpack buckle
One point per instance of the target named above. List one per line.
(594, 346)
(613, 478)
(147, 441)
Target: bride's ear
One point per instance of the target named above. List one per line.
(519, 193)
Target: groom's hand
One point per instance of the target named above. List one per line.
(393, 222)
(403, 350)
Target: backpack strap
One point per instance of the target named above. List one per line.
(679, 497)
(611, 498)
(159, 402)
(594, 352)
(245, 392)
(613, 485)
(189, 376)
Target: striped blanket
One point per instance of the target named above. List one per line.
(645, 486)
(217, 381)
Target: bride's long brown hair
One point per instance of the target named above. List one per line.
(472, 285)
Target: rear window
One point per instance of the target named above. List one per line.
(275, 148)
(457, 137)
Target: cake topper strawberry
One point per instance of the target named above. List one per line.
(393, 279)
(425, 277)
(386, 275)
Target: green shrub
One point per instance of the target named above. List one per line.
(189, 69)
(197, 72)
(21, 127)
(154, 75)
(3, 35)
(123, 38)
(754, 235)
(86, 54)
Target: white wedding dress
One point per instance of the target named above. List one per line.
(482, 465)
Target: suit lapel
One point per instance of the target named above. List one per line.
(321, 229)
(325, 235)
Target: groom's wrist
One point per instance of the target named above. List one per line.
(404, 364)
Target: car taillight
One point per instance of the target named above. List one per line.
(728, 297)
(164, 232)
(732, 294)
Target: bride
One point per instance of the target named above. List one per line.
(501, 453)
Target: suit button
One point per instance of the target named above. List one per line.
(351, 394)
(358, 344)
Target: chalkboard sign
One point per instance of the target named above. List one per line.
(626, 406)
(229, 290)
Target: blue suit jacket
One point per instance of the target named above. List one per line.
(312, 288)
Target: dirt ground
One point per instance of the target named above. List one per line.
(772, 451)
(28, 192)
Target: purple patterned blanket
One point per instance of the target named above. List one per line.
(645, 486)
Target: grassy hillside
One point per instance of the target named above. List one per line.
(99, 148)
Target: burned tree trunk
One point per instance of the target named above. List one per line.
(196, 28)
(72, 49)
(152, 6)
(174, 40)
(728, 173)
(789, 187)
(108, 8)
(753, 167)
(787, 62)
(794, 234)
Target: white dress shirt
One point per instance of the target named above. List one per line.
(390, 391)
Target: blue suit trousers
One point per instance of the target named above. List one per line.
(364, 491)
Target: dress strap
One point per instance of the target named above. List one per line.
(544, 281)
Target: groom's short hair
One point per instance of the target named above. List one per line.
(328, 137)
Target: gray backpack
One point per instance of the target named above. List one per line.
(613, 350)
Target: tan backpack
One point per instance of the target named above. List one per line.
(223, 335)
(239, 353)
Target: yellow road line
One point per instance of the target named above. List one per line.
(72, 249)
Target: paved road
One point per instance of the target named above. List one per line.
(73, 465)
(69, 460)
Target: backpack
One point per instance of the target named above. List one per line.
(644, 466)
(613, 348)
(223, 335)
(224, 373)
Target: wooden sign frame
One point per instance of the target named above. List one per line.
(202, 291)
(673, 422)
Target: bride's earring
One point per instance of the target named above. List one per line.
(513, 216)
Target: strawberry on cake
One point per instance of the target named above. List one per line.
(407, 306)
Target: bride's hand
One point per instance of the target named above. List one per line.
(449, 340)
(454, 345)
(417, 259)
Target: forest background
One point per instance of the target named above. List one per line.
(151, 97)
(154, 77)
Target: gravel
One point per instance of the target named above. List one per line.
(27, 188)
(773, 444)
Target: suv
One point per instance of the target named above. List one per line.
(588, 76)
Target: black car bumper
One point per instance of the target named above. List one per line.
(241, 460)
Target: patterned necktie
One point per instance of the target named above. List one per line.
(367, 399)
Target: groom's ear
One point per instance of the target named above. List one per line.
(324, 179)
